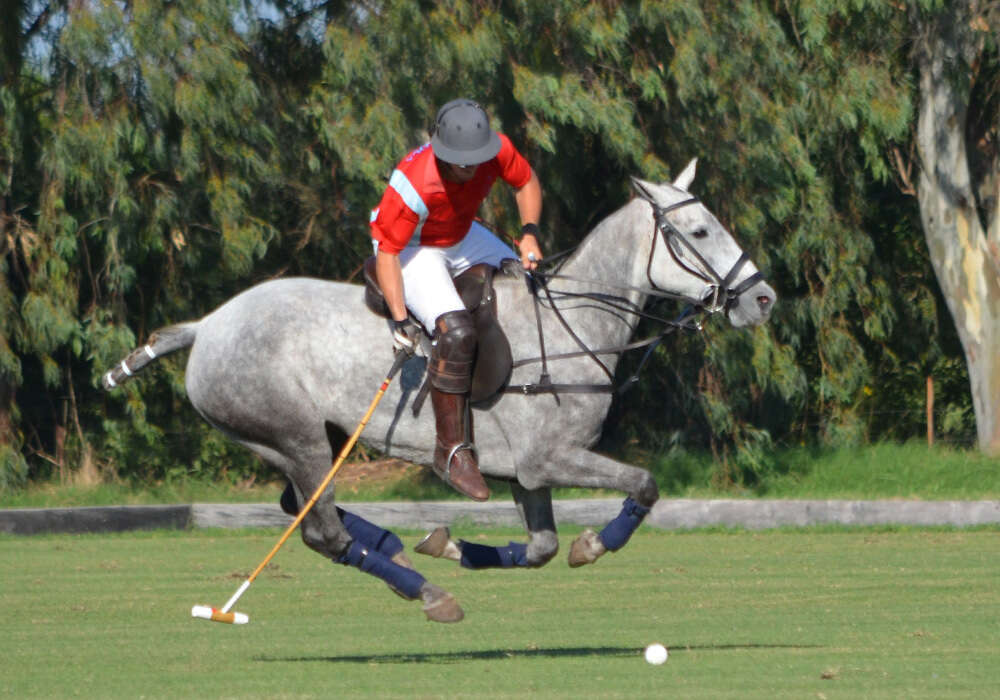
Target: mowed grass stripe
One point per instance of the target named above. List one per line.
(745, 615)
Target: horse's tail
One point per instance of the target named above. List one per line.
(162, 342)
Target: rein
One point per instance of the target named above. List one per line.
(722, 297)
(685, 320)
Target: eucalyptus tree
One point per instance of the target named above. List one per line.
(958, 142)
(171, 154)
(794, 110)
(150, 177)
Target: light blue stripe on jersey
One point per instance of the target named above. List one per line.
(411, 198)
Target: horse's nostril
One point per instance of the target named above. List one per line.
(763, 302)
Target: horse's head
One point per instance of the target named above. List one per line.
(695, 257)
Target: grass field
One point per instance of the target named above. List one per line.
(805, 614)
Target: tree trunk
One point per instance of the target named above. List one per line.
(959, 248)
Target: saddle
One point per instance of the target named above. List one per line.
(492, 367)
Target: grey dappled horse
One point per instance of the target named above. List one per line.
(289, 366)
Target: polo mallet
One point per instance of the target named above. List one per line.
(224, 615)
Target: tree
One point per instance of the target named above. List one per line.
(958, 141)
(165, 156)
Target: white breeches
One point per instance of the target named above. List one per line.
(428, 288)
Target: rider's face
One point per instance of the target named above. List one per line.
(459, 173)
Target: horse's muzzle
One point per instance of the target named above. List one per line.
(753, 306)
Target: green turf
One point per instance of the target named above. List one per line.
(835, 614)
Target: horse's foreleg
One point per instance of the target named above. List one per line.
(535, 507)
(578, 467)
(590, 545)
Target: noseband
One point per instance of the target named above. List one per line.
(723, 295)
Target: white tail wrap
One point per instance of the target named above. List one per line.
(125, 369)
(149, 351)
(110, 380)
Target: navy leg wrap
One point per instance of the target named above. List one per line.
(370, 535)
(480, 556)
(406, 581)
(616, 533)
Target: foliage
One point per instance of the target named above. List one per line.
(159, 158)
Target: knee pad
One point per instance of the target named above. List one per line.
(453, 353)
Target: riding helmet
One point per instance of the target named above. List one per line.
(462, 134)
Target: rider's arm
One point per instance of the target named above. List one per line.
(529, 206)
(390, 280)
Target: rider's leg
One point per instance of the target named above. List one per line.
(432, 299)
(479, 246)
(450, 371)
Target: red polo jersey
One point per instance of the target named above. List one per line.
(420, 207)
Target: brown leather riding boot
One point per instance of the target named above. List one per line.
(454, 454)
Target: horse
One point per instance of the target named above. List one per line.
(285, 368)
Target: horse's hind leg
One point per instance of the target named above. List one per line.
(369, 534)
(535, 507)
(325, 532)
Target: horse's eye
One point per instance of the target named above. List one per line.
(700, 233)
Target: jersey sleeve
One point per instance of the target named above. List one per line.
(393, 223)
(514, 168)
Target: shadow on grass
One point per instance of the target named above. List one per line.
(494, 654)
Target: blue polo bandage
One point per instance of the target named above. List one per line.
(480, 556)
(370, 534)
(618, 531)
(406, 581)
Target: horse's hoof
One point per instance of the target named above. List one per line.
(586, 549)
(439, 544)
(434, 543)
(440, 605)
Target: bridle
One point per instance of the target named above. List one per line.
(723, 295)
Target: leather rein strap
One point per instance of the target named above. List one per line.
(723, 297)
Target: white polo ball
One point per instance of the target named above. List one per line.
(656, 654)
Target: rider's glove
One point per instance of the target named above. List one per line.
(404, 336)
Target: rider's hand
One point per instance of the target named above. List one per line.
(404, 336)
(531, 252)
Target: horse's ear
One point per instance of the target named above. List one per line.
(643, 189)
(684, 180)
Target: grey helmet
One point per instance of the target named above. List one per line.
(462, 134)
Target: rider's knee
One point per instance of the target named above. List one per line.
(454, 351)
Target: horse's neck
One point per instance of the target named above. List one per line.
(611, 260)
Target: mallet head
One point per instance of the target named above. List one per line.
(207, 613)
